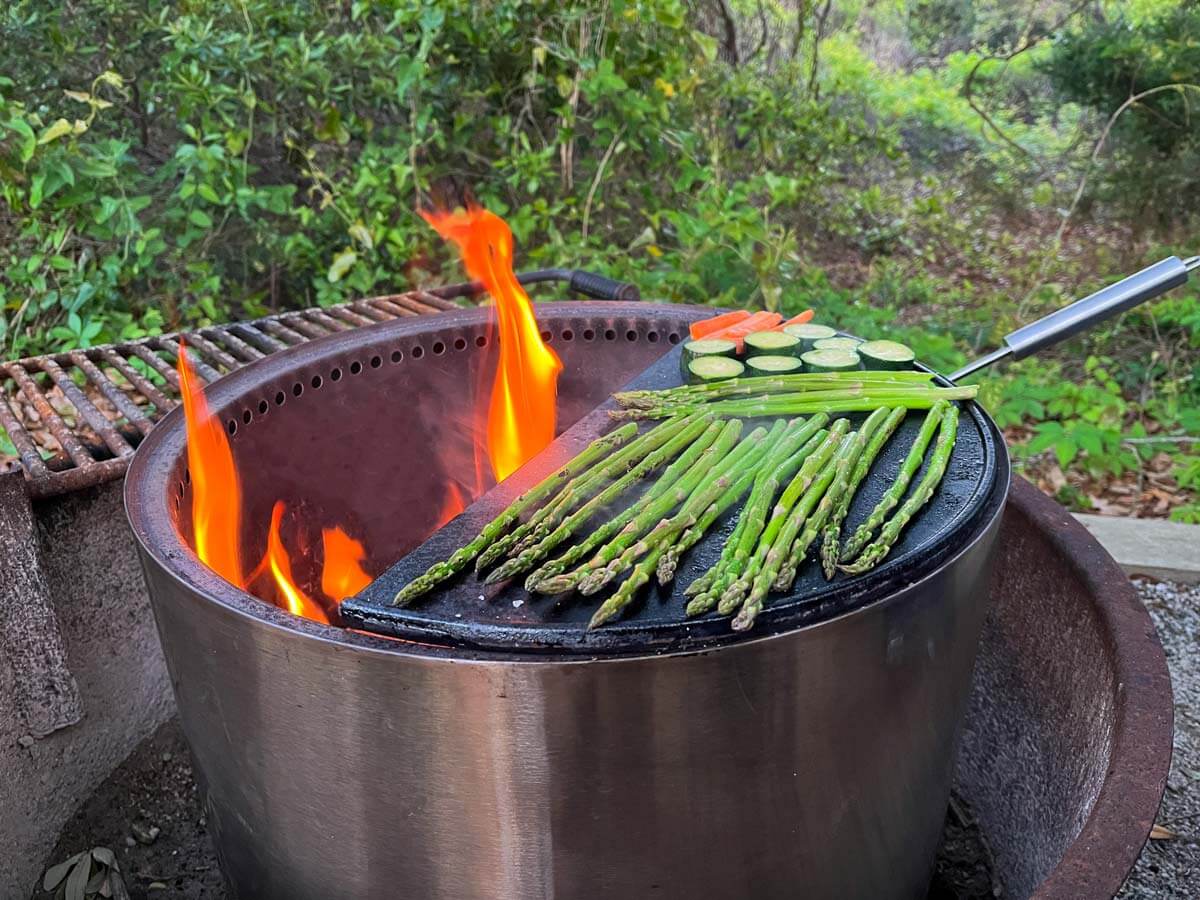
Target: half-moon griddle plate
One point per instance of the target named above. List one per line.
(464, 613)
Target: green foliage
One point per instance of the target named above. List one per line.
(1103, 64)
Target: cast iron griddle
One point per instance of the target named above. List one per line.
(463, 612)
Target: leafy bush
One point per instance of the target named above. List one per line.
(1104, 64)
(204, 160)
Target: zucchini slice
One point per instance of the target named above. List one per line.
(886, 355)
(713, 368)
(693, 350)
(837, 343)
(773, 365)
(830, 360)
(772, 343)
(809, 333)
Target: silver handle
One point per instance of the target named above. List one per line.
(1083, 314)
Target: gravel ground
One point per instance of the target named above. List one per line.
(1170, 868)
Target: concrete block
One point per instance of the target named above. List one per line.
(1154, 547)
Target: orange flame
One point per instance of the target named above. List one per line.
(298, 602)
(216, 490)
(452, 505)
(521, 412)
(217, 515)
(342, 573)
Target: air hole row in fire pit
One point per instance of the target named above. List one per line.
(589, 334)
(439, 348)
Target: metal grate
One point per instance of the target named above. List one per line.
(75, 418)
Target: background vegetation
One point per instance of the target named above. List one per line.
(935, 170)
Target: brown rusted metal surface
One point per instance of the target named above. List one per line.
(138, 383)
(1100, 858)
(1068, 738)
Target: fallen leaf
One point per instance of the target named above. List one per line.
(1158, 833)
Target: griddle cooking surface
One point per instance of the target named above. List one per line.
(464, 612)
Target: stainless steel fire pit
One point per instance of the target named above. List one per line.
(816, 759)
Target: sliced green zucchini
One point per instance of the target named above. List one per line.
(713, 368)
(772, 343)
(693, 350)
(830, 360)
(809, 333)
(773, 365)
(837, 343)
(886, 355)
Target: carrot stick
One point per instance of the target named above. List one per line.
(760, 321)
(706, 327)
(805, 316)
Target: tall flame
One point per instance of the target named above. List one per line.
(216, 490)
(521, 412)
(217, 519)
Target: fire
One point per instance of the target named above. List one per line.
(216, 490)
(520, 423)
(298, 602)
(217, 520)
(452, 505)
(521, 412)
(342, 573)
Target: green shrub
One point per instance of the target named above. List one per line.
(163, 166)
(1155, 143)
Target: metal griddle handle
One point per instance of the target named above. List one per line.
(1083, 314)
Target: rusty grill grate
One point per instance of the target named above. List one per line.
(75, 418)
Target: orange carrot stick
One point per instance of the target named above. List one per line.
(760, 321)
(805, 316)
(706, 327)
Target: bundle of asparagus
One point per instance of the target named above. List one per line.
(799, 477)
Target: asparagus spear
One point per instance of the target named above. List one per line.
(712, 499)
(744, 457)
(701, 584)
(707, 598)
(813, 525)
(549, 579)
(582, 486)
(880, 433)
(658, 507)
(539, 551)
(938, 462)
(780, 547)
(759, 505)
(741, 544)
(895, 492)
(599, 449)
(744, 574)
(629, 587)
(793, 437)
(850, 400)
(778, 384)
